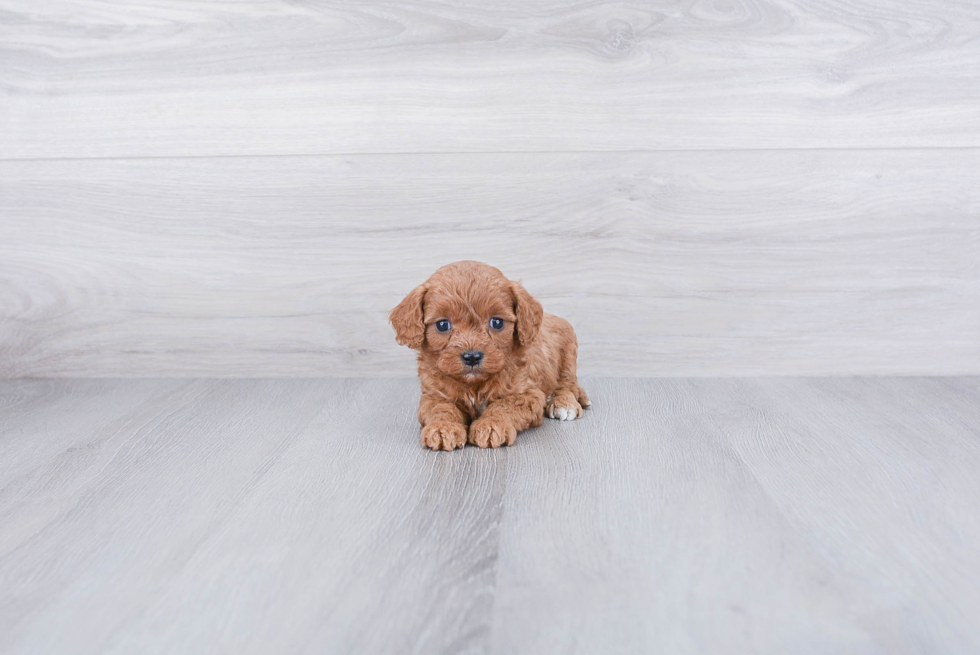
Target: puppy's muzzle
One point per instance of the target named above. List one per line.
(472, 357)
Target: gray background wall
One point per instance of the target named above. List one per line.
(723, 187)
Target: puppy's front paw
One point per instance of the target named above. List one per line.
(563, 406)
(444, 436)
(487, 433)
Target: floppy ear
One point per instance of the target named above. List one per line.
(529, 314)
(406, 318)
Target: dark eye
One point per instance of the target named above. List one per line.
(497, 323)
(443, 325)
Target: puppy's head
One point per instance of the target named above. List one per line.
(467, 320)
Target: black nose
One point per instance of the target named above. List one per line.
(472, 357)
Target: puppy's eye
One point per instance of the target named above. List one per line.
(497, 323)
(443, 325)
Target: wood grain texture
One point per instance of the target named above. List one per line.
(903, 471)
(684, 263)
(255, 493)
(80, 78)
(642, 530)
(685, 515)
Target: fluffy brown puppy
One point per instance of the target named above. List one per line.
(491, 362)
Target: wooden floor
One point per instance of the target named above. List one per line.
(781, 515)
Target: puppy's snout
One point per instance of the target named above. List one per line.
(472, 357)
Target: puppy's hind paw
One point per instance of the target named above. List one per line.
(563, 407)
(444, 436)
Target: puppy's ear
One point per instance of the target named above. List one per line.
(406, 318)
(529, 314)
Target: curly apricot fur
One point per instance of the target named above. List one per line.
(528, 366)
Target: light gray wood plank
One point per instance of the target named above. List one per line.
(685, 263)
(639, 530)
(738, 516)
(249, 516)
(881, 477)
(379, 546)
(46, 444)
(749, 516)
(81, 78)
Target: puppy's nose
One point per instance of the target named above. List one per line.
(472, 357)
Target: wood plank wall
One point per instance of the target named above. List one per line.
(718, 187)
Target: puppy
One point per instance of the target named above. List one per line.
(491, 362)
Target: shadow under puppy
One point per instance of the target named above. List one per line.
(491, 362)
